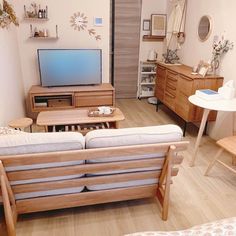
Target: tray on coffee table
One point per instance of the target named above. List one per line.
(95, 113)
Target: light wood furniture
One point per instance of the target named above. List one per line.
(13, 207)
(218, 105)
(76, 118)
(187, 195)
(175, 84)
(228, 144)
(69, 97)
(21, 124)
(126, 35)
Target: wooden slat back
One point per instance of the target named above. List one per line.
(89, 154)
(83, 169)
(35, 187)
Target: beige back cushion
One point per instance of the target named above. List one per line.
(132, 136)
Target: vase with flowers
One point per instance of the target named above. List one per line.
(219, 47)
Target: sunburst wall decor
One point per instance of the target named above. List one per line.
(79, 21)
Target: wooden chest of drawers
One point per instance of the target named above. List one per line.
(174, 84)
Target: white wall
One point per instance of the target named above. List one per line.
(11, 84)
(151, 7)
(224, 18)
(60, 13)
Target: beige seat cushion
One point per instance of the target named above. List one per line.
(40, 142)
(130, 136)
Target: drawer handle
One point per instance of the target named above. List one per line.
(170, 86)
(185, 78)
(172, 79)
(170, 95)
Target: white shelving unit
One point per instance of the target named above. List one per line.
(146, 81)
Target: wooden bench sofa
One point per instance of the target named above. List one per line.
(106, 166)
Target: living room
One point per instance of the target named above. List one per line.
(194, 198)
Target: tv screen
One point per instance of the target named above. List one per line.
(64, 67)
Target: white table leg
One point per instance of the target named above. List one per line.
(200, 132)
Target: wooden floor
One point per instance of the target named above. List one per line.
(195, 199)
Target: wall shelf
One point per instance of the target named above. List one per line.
(35, 19)
(44, 38)
(152, 38)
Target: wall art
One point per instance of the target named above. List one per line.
(7, 15)
(79, 21)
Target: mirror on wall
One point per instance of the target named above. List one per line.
(204, 28)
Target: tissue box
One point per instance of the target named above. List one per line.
(226, 92)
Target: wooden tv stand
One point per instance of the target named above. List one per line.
(68, 97)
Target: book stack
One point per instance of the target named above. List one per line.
(208, 94)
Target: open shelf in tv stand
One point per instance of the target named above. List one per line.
(68, 97)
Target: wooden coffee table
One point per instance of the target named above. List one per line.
(77, 120)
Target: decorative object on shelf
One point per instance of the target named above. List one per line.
(158, 24)
(79, 22)
(35, 12)
(152, 55)
(43, 33)
(101, 112)
(203, 71)
(202, 68)
(7, 15)
(219, 48)
(171, 56)
(146, 25)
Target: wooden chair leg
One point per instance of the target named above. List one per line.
(163, 191)
(214, 161)
(9, 217)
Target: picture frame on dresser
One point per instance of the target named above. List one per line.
(203, 71)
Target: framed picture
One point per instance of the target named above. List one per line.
(158, 25)
(203, 71)
(146, 25)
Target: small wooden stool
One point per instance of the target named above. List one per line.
(21, 124)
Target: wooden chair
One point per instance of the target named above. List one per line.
(228, 144)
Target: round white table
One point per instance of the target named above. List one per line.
(216, 105)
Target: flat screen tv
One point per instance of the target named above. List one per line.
(66, 67)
